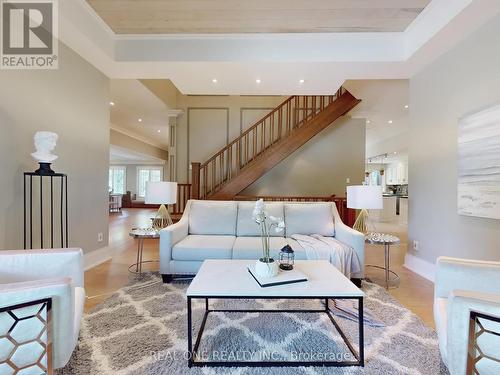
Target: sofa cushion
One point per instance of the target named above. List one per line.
(246, 226)
(201, 247)
(213, 217)
(251, 247)
(311, 218)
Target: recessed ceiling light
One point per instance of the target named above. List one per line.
(389, 122)
(301, 81)
(395, 152)
(159, 131)
(258, 80)
(214, 80)
(368, 121)
(111, 103)
(140, 120)
(406, 106)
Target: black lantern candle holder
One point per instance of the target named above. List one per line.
(287, 257)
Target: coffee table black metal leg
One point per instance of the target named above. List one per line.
(192, 350)
(190, 333)
(361, 333)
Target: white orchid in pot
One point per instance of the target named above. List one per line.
(266, 266)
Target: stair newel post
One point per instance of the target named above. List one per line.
(280, 122)
(293, 113)
(306, 108)
(288, 115)
(195, 180)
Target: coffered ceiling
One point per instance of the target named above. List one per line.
(256, 16)
(221, 62)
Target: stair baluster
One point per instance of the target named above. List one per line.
(294, 113)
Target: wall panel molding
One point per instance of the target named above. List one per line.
(243, 109)
(189, 110)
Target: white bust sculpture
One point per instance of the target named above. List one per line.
(45, 142)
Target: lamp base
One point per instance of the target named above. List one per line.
(361, 221)
(162, 218)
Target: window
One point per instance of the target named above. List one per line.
(117, 178)
(145, 174)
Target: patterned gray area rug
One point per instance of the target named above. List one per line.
(142, 330)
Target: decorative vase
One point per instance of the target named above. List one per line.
(267, 270)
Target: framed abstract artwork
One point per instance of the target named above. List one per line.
(479, 164)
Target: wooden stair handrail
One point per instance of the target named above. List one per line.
(246, 132)
(277, 125)
(260, 121)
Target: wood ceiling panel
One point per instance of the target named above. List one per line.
(256, 16)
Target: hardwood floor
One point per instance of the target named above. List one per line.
(414, 292)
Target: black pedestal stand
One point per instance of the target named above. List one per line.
(45, 208)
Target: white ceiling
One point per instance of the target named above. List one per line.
(120, 155)
(257, 16)
(133, 101)
(323, 60)
(382, 101)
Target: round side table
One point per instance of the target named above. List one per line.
(141, 234)
(387, 240)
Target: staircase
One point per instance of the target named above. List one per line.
(268, 142)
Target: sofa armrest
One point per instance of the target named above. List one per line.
(169, 236)
(60, 290)
(27, 265)
(461, 303)
(466, 274)
(354, 239)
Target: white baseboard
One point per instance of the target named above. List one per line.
(421, 267)
(96, 257)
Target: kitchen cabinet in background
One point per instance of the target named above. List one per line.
(397, 173)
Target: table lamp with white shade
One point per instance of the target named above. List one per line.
(364, 198)
(163, 193)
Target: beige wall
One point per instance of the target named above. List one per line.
(463, 80)
(73, 102)
(321, 166)
(208, 122)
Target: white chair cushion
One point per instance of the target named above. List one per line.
(60, 290)
(201, 247)
(309, 219)
(213, 217)
(246, 226)
(251, 247)
(441, 321)
(79, 305)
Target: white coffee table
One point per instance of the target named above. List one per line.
(229, 279)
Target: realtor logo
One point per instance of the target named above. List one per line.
(29, 34)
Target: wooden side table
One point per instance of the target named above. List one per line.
(141, 234)
(387, 240)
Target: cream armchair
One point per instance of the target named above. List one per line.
(36, 287)
(463, 286)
